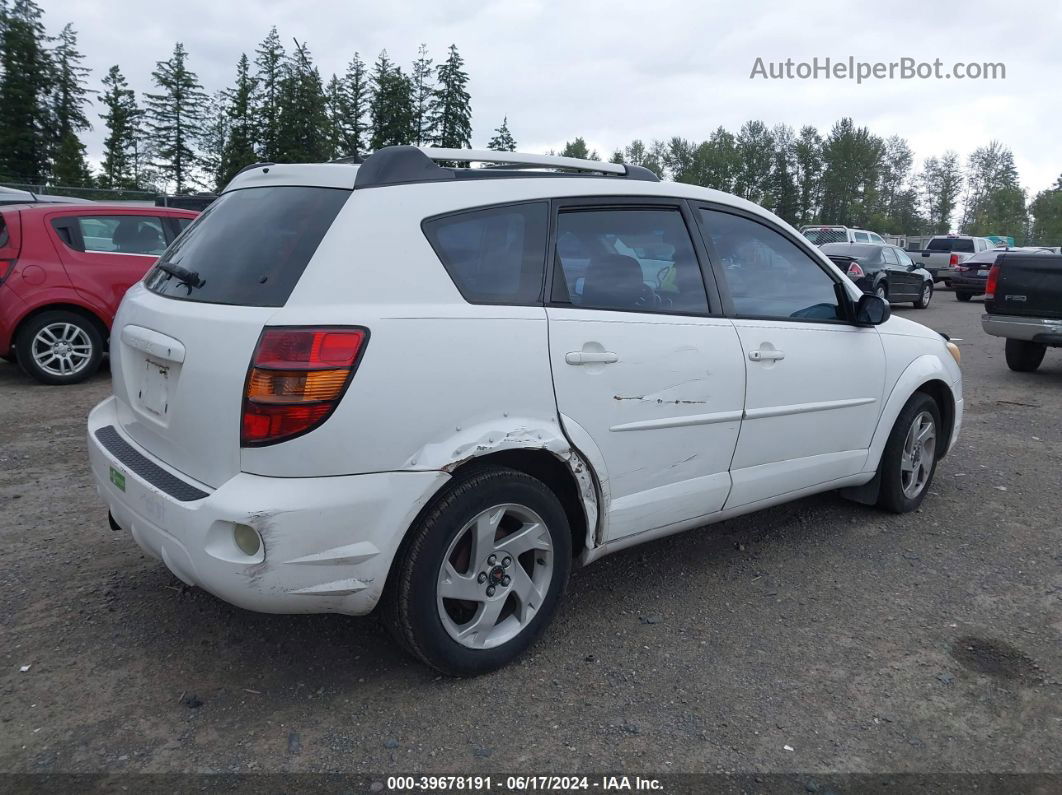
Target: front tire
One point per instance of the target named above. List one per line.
(910, 456)
(481, 573)
(60, 347)
(925, 297)
(1024, 357)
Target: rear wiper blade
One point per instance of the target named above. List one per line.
(191, 278)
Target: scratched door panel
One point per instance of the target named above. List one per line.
(664, 412)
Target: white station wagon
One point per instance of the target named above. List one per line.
(432, 390)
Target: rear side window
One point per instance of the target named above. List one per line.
(861, 237)
(249, 247)
(822, 236)
(122, 234)
(496, 255)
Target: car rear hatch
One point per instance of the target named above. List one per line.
(1028, 285)
(184, 337)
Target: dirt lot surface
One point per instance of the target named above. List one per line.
(817, 636)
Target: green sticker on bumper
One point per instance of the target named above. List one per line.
(118, 479)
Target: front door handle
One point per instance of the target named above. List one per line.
(591, 357)
(766, 355)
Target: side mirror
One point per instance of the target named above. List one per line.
(872, 311)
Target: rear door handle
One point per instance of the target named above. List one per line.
(591, 357)
(766, 356)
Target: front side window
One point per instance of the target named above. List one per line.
(496, 255)
(628, 259)
(122, 234)
(875, 238)
(766, 273)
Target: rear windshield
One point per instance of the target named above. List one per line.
(960, 244)
(249, 247)
(820, 236)
(856, 251)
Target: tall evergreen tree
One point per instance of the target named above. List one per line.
(392, 105)
(785, 196)
(356, 100)
(851, 159)
(808, 173)
(214, 139)
(452, 111)
(422, 78)
(755, 149)
(69, 97)
(239, 144)
(174, 119)
(503, 140)
(120, 146)
(995, 202)
(25, 85)
(302, 127)
(893, 184)
(336, 113)
(269, 62)
(718, 161)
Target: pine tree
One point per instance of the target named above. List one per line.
(356, 100)
(577, 148)
(392, 105)
(120, 145)
(214, 140)
(302, 127)
(25, 85)
(941, 182)
(785, 197)
(451, 110)
(851, 163)
(423, 90)
(755, 149)
(270, 62)
(69, 97)
(718, 161)
(174, 119)
(239, 145)
(808, 173)
(503, 140)
(335, 107)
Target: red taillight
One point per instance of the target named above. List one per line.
(855, 271)
(6, 266)
(296, 379)
(990, 285)
(953, 260)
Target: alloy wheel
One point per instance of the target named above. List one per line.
(495, 576)
(62, 349)
(919, 451)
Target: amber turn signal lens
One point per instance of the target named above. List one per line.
(294, 386)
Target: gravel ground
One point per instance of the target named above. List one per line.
(817, 636)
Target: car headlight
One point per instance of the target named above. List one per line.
(953, 349)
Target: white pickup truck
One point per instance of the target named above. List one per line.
(943, 253)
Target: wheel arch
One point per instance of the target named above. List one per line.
(77, 309)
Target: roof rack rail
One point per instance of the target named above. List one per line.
(398, 165)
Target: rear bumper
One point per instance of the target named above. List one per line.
(969, 284)
(1031, 329)
(326, 543)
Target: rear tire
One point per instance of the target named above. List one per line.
(499, 602)
(1024, 357)
(60, 347)
(910, 457)
(963, 296)
(925, 297)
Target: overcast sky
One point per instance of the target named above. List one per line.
(617, 70)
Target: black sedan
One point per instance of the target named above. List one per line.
(972, 275)
(887, 271)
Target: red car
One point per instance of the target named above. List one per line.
(63, 272)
